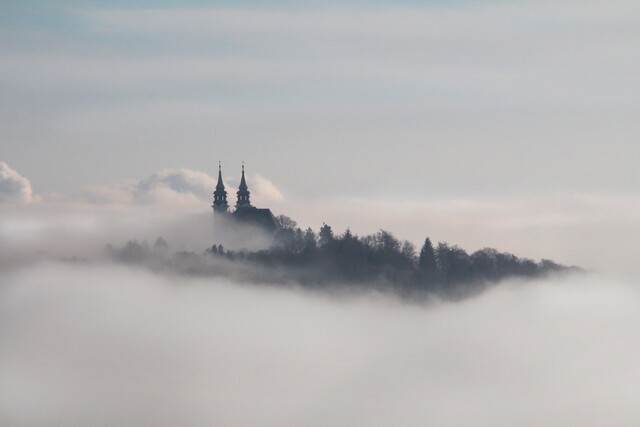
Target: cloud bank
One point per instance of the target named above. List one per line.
(87, 344)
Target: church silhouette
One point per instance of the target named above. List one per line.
(244, 212)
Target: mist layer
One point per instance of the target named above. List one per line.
(87, 344)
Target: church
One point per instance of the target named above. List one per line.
(244, 212)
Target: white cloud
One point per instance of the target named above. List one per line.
(13, 186)
(175, 186)
(178, 188)
(264, 191)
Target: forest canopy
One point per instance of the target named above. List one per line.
(325, 260)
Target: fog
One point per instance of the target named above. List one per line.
(62, 231)
(102, 344)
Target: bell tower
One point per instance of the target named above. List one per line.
(220, 204)
(243, 193)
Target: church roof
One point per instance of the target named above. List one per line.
(244, 212)
(262, 217)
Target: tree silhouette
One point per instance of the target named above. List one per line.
(376, 260)
(428, 265)
(325, 234)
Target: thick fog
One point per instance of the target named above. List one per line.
(101, 344)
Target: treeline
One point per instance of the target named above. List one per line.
(325, 260)
(383, 260)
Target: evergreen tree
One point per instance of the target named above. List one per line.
(310, 240)
(427, 263)
(347, 235)
(325, 234)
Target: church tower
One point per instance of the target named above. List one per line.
(220, 204)
(243, 193)
(244, 213)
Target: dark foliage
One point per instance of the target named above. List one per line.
(325, 260)
(384, 261)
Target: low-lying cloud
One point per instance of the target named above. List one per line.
(102, 344)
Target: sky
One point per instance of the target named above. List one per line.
(486, 123)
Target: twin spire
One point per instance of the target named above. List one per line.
(220, 194)
(243, 192)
